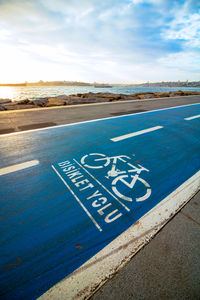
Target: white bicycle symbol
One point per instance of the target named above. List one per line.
(99, 161)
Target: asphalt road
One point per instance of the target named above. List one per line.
(68, 191)
(11, 121)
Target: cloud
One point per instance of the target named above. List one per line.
(148, 1)
(186, 62)
(91, 40)
(185, 26)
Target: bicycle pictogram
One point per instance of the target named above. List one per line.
(124, 175)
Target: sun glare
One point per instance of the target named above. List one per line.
(6, 92)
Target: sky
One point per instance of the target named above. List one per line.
(114, 41)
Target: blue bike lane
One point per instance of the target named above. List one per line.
(91, 182)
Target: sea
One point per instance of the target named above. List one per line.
(35, 92)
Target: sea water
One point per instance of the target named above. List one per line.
(35, 92)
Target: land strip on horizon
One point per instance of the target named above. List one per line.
(80, 83)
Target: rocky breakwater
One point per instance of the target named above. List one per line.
(77, 99)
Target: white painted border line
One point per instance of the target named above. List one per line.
(191, 118)
(78, 200)
(18, 167)
(129, 135)
(95, 120)
(84, 281)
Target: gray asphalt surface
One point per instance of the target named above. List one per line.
(11, 121)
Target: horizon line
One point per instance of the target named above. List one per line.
(95, 82)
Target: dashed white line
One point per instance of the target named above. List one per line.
(18, 167)
(84, 208)
(129, 135)
(191, 118)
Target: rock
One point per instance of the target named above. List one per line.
(2, 107)
(107, 95)
(74, 97)
(111, 99)
(2, 101)
(145, 96)
(64, 97)
(187, 93)
(130, 97)
(39, 102)
(160, 95)
(75, 100)
(97, 95)
(85, 99)
(15, 106)
(86, 95)
(179, 93)
(104, 99)
(11, 106)
(78, 100)
(176, 93)
(54, 101)
(26, 101)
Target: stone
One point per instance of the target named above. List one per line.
(78, 100)
(87, 95)
(172, 94)
(11, 106)
(2, 107)
(179, 93)
(2, 101)
(15, 106)
(160, 95)
(26, 101)
(64, 97)
(54, 101)
(107, 95)
(145, 96)
(131, 97)
(39, 102)
(187, 93)
(103, 99)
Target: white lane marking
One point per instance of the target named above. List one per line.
(191, 118)
(95, 120)
(18, 167)
(87, 278)
(129, 135)
(102, 186)
(79, 201)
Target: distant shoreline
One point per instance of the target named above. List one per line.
(79, 84)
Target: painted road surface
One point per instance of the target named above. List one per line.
(67, 192)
